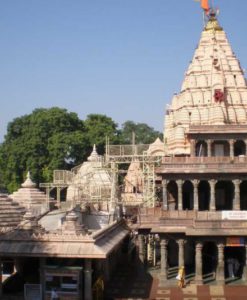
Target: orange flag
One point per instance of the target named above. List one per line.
(205, 5)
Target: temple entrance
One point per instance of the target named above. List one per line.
(234, 262)
(172, 259)
(224, 193)
(172, 195)
(204, 195)
(239, 148)
(189, 258)
(243, 195)
(209, 260)
(188, 195)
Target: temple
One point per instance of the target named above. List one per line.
(179, 202)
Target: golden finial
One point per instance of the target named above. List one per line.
(213, 24)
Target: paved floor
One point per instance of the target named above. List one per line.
(133, 283)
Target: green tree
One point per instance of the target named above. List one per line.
(144, 134)
(42, 141)
(98, 127)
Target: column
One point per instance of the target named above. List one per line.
(236, 201)
(220, 272)
(163, 259)
(1, 279)
(231, 144)
(180, 194)
(58, 197)
(164, 193)
(141, 243)
(42, 261)
(212, 184)
(48, 197)
(107, 273)
(195, 185)
(88, 279)
(193, 148)
(150, 247)
(244, 277)
(209, 143)
(181, 243)
(198, 277)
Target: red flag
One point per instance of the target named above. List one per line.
(205, 5)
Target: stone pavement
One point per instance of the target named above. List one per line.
(131, 282)
(191, 292)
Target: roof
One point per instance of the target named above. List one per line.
(97, 245)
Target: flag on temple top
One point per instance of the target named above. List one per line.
(205, 5)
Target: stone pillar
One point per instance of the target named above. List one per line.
(164, 193)
(1, 279)
(220, 272)
(181, 243)
(107, 273)
(42, 261)
(198, 277)
(58, 197)
(88, 279)
(244, 277)
(163, 259)
(236, 201)
(212, 184)
(180, 194)
(48, 198)
(209, 144)
(142, 252)
(195, 185)
(150, 247)
(192, 148)
(231, 144)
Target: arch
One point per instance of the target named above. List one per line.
(172, 195)
(243, 195)
(209, 258)
(220, 148)
(188, 195)
(172, 249)
(204, 195)
(224, 194)
(239, 148)
(237, 257)
(189, 257)
(201, 148)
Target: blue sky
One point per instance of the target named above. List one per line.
(122, 58)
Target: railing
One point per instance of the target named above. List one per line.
(182, 214)
(149, 217)
(218, 128)
(125, 150)
(204, 159)
(62, 177)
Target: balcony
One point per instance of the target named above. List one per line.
(190, 222)
(217, 164)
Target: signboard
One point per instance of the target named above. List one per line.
(234, 215)
(235, 242)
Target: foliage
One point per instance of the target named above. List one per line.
(144, 134)
(49, 139)
(46, 139)
(98, 127)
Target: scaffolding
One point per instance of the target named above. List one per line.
(100, 182)
(125, 154)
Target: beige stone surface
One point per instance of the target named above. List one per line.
(214, 66)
